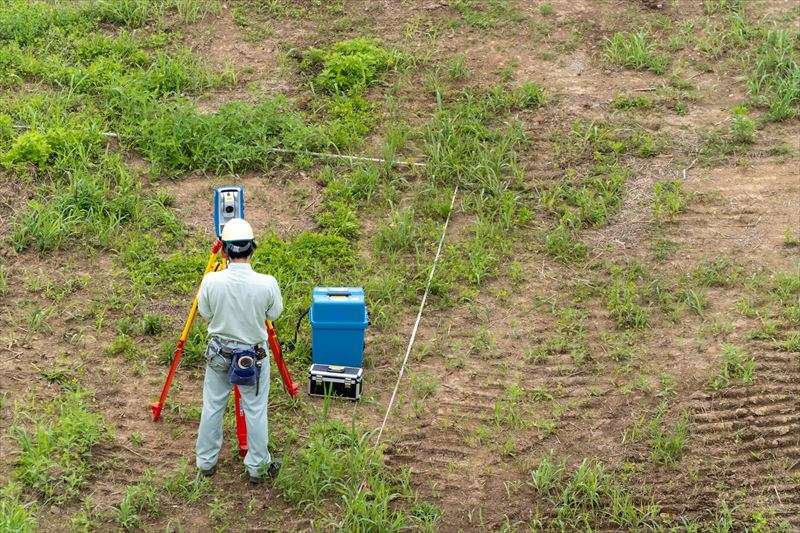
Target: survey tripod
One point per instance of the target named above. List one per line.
(216, 262)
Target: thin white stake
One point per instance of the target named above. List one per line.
(419, 317)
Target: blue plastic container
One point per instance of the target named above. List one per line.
(338, 319)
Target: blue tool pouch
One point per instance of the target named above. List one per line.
(244, 367)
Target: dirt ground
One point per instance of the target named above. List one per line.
(744, 441)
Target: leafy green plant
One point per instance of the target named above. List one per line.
(633, 50)
(152, 324)
(743, 129)
(348, 66)
(177, 137)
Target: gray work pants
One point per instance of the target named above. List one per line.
(216, 389)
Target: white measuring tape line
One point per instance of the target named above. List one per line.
(419, 317)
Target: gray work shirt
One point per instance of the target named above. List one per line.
(237, 300)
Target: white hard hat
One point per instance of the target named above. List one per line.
(237, 229)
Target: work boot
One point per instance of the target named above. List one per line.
(271, 472)
(208, 473)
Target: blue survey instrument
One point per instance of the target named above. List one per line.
(338, 318)
(228, 204)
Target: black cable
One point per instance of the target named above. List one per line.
(291, 346)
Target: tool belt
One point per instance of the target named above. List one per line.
(242, 362)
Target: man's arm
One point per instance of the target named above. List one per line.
(276, 307)
(203, 305)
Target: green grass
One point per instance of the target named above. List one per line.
(348, 67)
(588, 495)
(736, 366)
(55, 454)
(669, 200)
(194, 351)
(635, 51)
(338, 466)
(15, 516)
(487, 14)
(743, 128)
(667, 444)
(238, 137)
(139, 499)
(774, 81)
(546, 9)
(625, 301)
(627, 102)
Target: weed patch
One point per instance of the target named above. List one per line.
(774, 83)
(332, 466)
(667, 445)
(736, 366)
(635, 51)
(624, 302)
(669, 200)
(348, 67)
(14, 514)
(55, 456)
(590, 494)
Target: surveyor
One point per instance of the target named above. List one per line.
(236, 302)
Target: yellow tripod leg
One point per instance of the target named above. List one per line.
(212, 265)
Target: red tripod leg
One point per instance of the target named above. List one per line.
(241, 423)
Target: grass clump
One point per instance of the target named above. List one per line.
(462, 145)
(332, 466)
(14, 515)
(301, 263)
(669, 199)
(563, 244)
(633, 50)
(489, 14)
(194, 351)
(623, 300)
(774, 82)
(735, 366)
(743, 128)
(546, 9)
(238, 137)
(667, 445)
(589, 494)
(400, 233)
(55, 455)
(180, 272)
(627, 102)
(139, 499)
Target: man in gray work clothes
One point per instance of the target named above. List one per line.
(236, 302)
